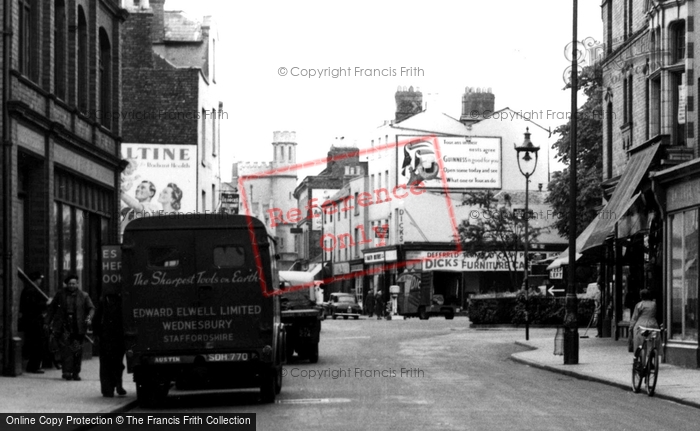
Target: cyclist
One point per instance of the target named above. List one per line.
(644, 315)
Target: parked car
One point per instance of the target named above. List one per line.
(344, 304)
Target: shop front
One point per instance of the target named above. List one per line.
(455, 275)
(680, 190)
(381, 270)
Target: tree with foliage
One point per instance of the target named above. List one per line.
(589, 158)
(499, 231)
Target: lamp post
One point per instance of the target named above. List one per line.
(571, 336)
(527, 167)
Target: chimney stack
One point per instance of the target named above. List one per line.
(408, 103)
(158, 30)
(477, 104)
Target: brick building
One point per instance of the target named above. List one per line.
(647, 233)
(171, 107)
(61, 128)
(342, 165)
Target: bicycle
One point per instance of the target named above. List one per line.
(646, 361)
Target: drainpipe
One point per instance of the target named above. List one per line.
(7, 190)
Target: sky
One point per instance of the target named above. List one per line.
(515, 47)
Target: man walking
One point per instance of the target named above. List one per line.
(369, 304)
(70, 314)
(108, 327)
(379, 305)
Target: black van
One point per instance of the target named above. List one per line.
(200, 307)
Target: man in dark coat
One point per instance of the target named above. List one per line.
(379, 305)
(32, 308)
(70, 314)
(369, 304)
(108, 327)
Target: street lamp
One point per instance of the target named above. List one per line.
(527, 166)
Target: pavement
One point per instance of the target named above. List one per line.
(49, 393)
(607, 361)
(600, 359)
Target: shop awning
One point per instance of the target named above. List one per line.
(622, 198)
(315, 269)
(563, 259)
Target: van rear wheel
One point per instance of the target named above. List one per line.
(278, 383)
(313, 353)
(268, 385)
(422, 314)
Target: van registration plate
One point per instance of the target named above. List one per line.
(228, 357)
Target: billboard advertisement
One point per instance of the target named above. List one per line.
(159, 179)
(321, 195)
(459, 261)
(468, 162)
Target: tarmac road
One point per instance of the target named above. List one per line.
(434, 375)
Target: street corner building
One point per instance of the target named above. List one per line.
(646, 234)
(389, 223)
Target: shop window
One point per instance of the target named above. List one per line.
(684, 276)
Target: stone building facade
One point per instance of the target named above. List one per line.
(649, 137)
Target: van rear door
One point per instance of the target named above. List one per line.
(230, 287)
(159, 284)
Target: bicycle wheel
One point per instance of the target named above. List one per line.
(637, 371)
(653, 372)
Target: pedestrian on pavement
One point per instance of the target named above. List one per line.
(644, 315)
(369, 304)
(70, 314)
(108, 327)
(379, 305)
(32, 311)
(598, 310)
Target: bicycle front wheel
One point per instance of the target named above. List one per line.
(637, 371)
(653, 372)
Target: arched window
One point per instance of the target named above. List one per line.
(82, 61)
(59, 49)
(105, 76)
